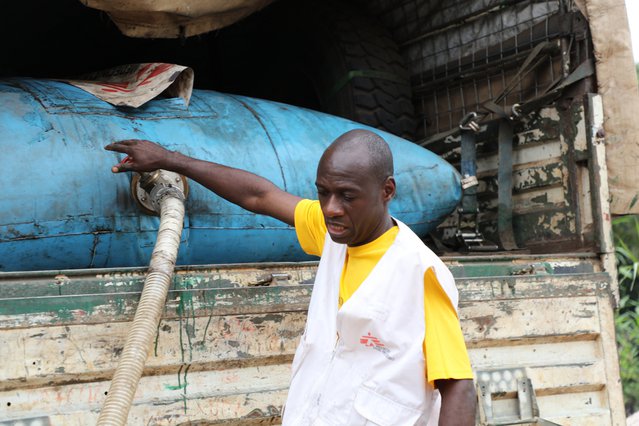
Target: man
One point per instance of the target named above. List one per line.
(382, 331)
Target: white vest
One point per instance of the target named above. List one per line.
(364, 364)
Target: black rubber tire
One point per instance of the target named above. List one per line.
(337, 40)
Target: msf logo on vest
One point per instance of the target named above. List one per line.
(371, 341)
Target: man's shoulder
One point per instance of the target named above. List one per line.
(410, 242)
(414, 251)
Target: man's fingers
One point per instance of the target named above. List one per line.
(121, 146)
(127, 142)
(117, 147)
(122, 166)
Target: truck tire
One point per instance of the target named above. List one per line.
(354, 66)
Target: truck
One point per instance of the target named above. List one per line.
(534, 102)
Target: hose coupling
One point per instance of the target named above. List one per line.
(150, 188)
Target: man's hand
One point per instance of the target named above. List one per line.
(247, 190)
(142, 156)
(459, 402)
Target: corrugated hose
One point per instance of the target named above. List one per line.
(169, 201)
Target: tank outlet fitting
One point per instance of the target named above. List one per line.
(149, 188)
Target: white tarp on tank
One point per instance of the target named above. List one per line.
(174, 18)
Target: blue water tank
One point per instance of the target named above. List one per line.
(62, 208)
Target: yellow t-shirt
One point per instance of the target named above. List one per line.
(444, 347)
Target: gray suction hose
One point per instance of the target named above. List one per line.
(168, 201)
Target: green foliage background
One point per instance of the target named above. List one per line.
(626, 234)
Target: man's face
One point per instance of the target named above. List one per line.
(353, 201)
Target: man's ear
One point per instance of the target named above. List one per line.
(388, 189)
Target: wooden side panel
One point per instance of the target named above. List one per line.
(551, 195)
(90, 352)
(172, 398)
(222, 352)
(557, 330)
(223, 349)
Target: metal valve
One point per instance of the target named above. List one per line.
(149, 188)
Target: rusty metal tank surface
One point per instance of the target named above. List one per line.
(62, 208)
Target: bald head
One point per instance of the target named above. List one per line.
(355, 184)
(364, 146)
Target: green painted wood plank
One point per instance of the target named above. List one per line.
(101, 307)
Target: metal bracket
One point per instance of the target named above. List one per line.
(469, 182)
(471, 238)
(470, 122)
(276, 278)
(507, 397)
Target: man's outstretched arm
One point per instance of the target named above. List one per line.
(247, 190)
(459, 402)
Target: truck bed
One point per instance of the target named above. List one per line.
(228, 334)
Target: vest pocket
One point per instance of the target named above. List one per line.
(383, 411)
